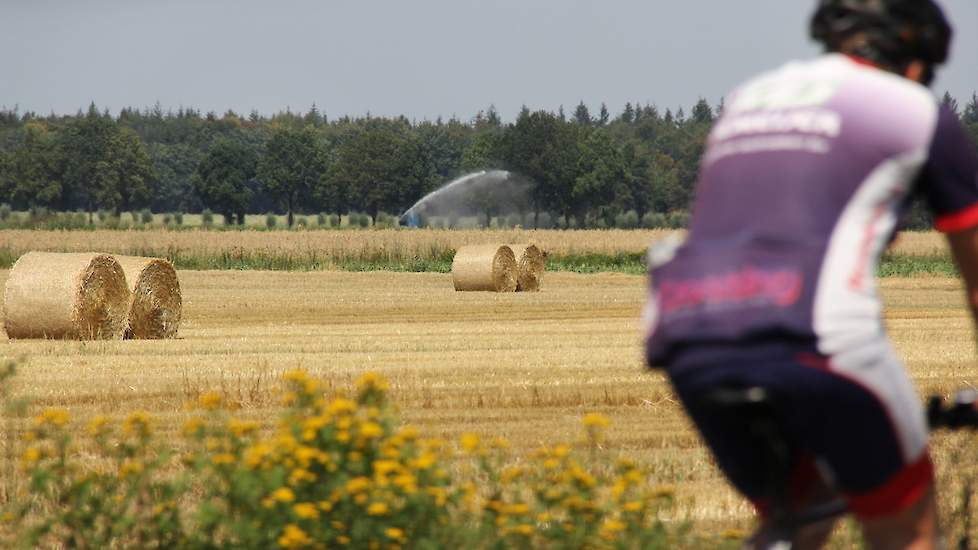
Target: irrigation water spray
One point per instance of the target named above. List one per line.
(483, 191)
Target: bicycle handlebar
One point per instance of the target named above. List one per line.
(961, 413)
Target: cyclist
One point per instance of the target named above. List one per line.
(802, 184)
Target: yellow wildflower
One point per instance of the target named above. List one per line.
(242, 428)
(384, 467)
(341, 406)
(193, 426)
(294, 537)
(130, 467)
(524, 529)
(613, 526)
(306, 510)
(371, 430)
(325, 506)
(633, 477)
(619, 488)
(283, 494)
(372, 381)
(97, 426)
(343, 539)
(300, 475)
(633, 506)
(32, 455)
(395, 533)
(298, 376)
(438, 492)
(423, 462)
(377, 509)
(54, 417)
(306, 455)
(223, 459)
(210, 401)
(407, 483)
(286, 443)
(357, 485)
(255, 456)
(595, 420)
(470, 442)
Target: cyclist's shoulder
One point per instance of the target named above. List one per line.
(834, 78)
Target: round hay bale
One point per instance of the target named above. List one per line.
(530, 265)
(488, 267)
(66, 296)
(156, 305)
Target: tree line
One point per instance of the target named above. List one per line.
(586, 169)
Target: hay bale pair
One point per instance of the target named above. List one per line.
(91, 296)
(498, 268)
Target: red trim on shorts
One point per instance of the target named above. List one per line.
(899, 493)
(958, 221)
(802, 481)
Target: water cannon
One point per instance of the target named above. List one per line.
(410, 219)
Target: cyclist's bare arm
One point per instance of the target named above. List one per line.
(964, 248)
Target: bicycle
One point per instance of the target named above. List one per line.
(760, 409)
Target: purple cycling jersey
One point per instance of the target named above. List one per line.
(802, 184)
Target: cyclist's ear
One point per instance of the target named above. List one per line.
(917, 71)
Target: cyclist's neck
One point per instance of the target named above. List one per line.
(862, 61)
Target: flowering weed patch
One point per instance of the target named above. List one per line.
(333, 473)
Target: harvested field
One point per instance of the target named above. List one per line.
(522, 366)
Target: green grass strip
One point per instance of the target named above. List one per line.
(441, 262)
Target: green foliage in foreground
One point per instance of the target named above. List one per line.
(440, 261)
(333, 473)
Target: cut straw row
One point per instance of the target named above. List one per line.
(498, 268)
(91, 296)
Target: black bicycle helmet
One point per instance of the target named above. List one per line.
(893, 32)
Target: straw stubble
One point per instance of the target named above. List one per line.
(156, 305)
(489, 267)
(66, 296)
(530, 265)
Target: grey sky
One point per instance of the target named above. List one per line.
(420, 58)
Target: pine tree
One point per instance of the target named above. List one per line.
(628, 115)
(581, 115)
(970, 114)
(603, 117)
(949, 102)
(702, 113)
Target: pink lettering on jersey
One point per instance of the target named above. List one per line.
(777, 287)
